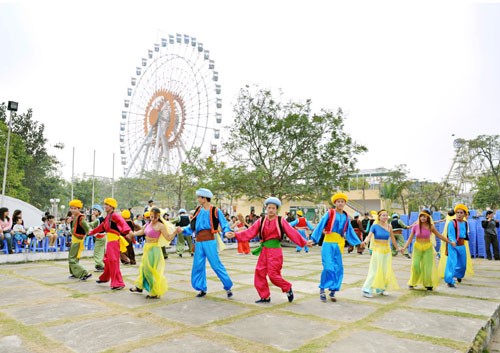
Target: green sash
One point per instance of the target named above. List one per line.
(271, 243)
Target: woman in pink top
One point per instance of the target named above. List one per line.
(6, 225)
(151, 272)
(423, 267)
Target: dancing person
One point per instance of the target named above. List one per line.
(423, 267)
(301, 224)
(239, 226)
(99, 239)
(397, 229)
(458, 232)
(151, 272)
(79, 229)
(380, 273)
(205, 225)
(113, 226)
(271, 229)
(182, 221)
(331, 233)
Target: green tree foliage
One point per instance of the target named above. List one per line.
(430, 195)
(395, 188)
(487, 193)
(289, 151)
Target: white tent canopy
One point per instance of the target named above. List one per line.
(32, 216)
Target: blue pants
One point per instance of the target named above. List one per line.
(303, 233)
(208, 250)
(456, 263)
(333, 269)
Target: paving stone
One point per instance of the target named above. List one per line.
(431, 324)
(472, 291)
(376, 342)
(453, 304)
(184, 344)
(356, 294)
(305, 286)
(12, 344)
(88, 286)
(199, 311)
(99, 334)
(23, 295)
(350, 278)
(249, 296)
(340, 310)
(11, 282)
(298, 272)
(53, 310)
(243, 278)
(290, 335)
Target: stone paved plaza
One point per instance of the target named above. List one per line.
(42, 310)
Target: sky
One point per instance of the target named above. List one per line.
(411, 75)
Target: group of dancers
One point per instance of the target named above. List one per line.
(332, 232)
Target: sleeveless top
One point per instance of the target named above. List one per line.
(379, 232)
(425, 235)
(151, 233)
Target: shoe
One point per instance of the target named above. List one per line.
(459, 280)
(180, 255)
(263, 300)
(332, 296)
(72, 277)
(86, 277)
(451, 285)
(201, 294)
(297, 250)
(192, 254)
(133, 263)
(117, 288)
(152, 297)
(408, 256)
(384, 293)
(306, 251)
(99, 269)
(322, 296)
(290, 296)
(428, 288)
(229, 293)
(367, 294)
(411, 287)
(99, 281)
(135, 290)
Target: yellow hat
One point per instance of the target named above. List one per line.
(126, 214)
(339, 195)
(111, 202)
(147, 214)
(461, 206)
(427, 214)
(299, 213)
(76, 203)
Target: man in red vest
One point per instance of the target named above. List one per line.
(302, 225)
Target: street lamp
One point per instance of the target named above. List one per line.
(12, 107)
(54, 203)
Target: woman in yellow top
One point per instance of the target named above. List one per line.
(151, 277)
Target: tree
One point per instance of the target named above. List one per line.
(431, 195)
(396, 186)
(288, 151)
(487, 149)
(487, 193)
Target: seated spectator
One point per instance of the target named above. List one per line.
(20, 232)
(64, 230)
(6, 228)
(49, 229)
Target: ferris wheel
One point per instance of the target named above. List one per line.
(172, 107)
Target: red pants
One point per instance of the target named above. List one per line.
(244, 247)
(112, 265)
(269, 264)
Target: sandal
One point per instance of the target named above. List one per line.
(152, 297)
(135, 290)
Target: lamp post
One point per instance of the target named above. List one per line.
(54, 203)
(12, 107)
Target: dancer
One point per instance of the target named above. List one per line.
(357, 225)
(331, 233)
(151, 272)
(113, 225)
(79, 228)
(128, 256)
(302, 225)
(181, 221)
(271, 229)
(380, 274)
(423, 267)
(205, 224)
(241, 225)
(458, 232)
(99, 239)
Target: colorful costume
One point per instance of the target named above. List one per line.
(99, 240)
(270, 259)
(205, 227)
(183, 221)
(380, 274)
(151, 277)
(397, 230)
(243, 246)
(423, 267)
(456, 263)
(79, 228)
(301, 224)
(113, 225)
(331, 233)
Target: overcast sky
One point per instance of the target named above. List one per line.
(408, 74)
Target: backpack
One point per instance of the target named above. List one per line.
(214, 219)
